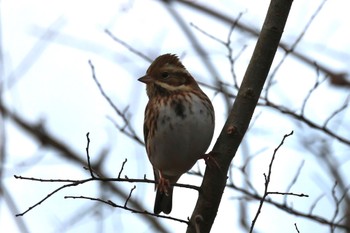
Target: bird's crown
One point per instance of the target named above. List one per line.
(167, 74)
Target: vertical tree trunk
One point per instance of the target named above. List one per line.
(224, 150)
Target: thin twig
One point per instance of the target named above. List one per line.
(309, 122)
(122, 168)
(45, 138)
(289, 194)
(126, 45)
(296, 228)
(52, 193)
(211, 36)
(294, 180)
(88, 156)
(208, 10)
(129, 180)
(131, 132)
(83, 181)
(284, 207)
(292, 48)
(230, 51)
(289, 209)
(267, 182)
(312, 207)
(343, 107)
(306, 121)
(336, 202)
(128, 198)
(111, 203)
(317, 83)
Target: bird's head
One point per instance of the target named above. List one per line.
(167, 75)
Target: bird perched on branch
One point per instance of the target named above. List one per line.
(178, 125)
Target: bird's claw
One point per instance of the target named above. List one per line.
(163, 184)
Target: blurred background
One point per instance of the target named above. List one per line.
(50, 53)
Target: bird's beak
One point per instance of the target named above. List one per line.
(146, 79)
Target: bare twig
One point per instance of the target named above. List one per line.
(252, 31)
(296, 228)
(209, 35)
(227, 44)
(289, 209)
(267, 182)
(83, 181)
(50, 194)
(126, 45)
(230, 52)
(48, 34)
(336, 112)
(240, 115)
(46, 139)
(300, 117)
(111, 203)
(306, 121)
(12, 206)
(130, 132)
(128, 198)
(285, 110)
(337, 202)
(88, 156)
(122, 168)
(312, 207)
(294, 180)
(317, 83)
(288, 194)
(197, 46)
(292, 48)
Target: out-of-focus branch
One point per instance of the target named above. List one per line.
(334, 75)
(253, 195)
(290, 209)
(292, 47)
(200, 50)
(127, 129)
(332, 164)
(13, 207)
(125, 207)
(230, 55)
(128, 46)
(35, 52)
(306, 121)
(38, 132)
(294, 180)
(299, 116)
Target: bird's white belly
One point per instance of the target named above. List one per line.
(182, 136)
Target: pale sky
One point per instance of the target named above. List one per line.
(46, 46)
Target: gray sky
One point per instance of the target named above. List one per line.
(46, 47)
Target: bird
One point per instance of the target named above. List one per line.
(178, 125)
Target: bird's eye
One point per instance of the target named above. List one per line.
(165, 75)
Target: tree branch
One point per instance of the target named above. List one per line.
(39, 133)
(267, 182)
(237, 123)
(337, 78)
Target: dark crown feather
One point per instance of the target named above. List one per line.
(163, 60)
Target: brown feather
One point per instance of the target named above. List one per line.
(170, 86)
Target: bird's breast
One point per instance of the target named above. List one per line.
(183, 132)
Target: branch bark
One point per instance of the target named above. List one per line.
(225, 148)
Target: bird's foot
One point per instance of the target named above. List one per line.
(163, 184)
